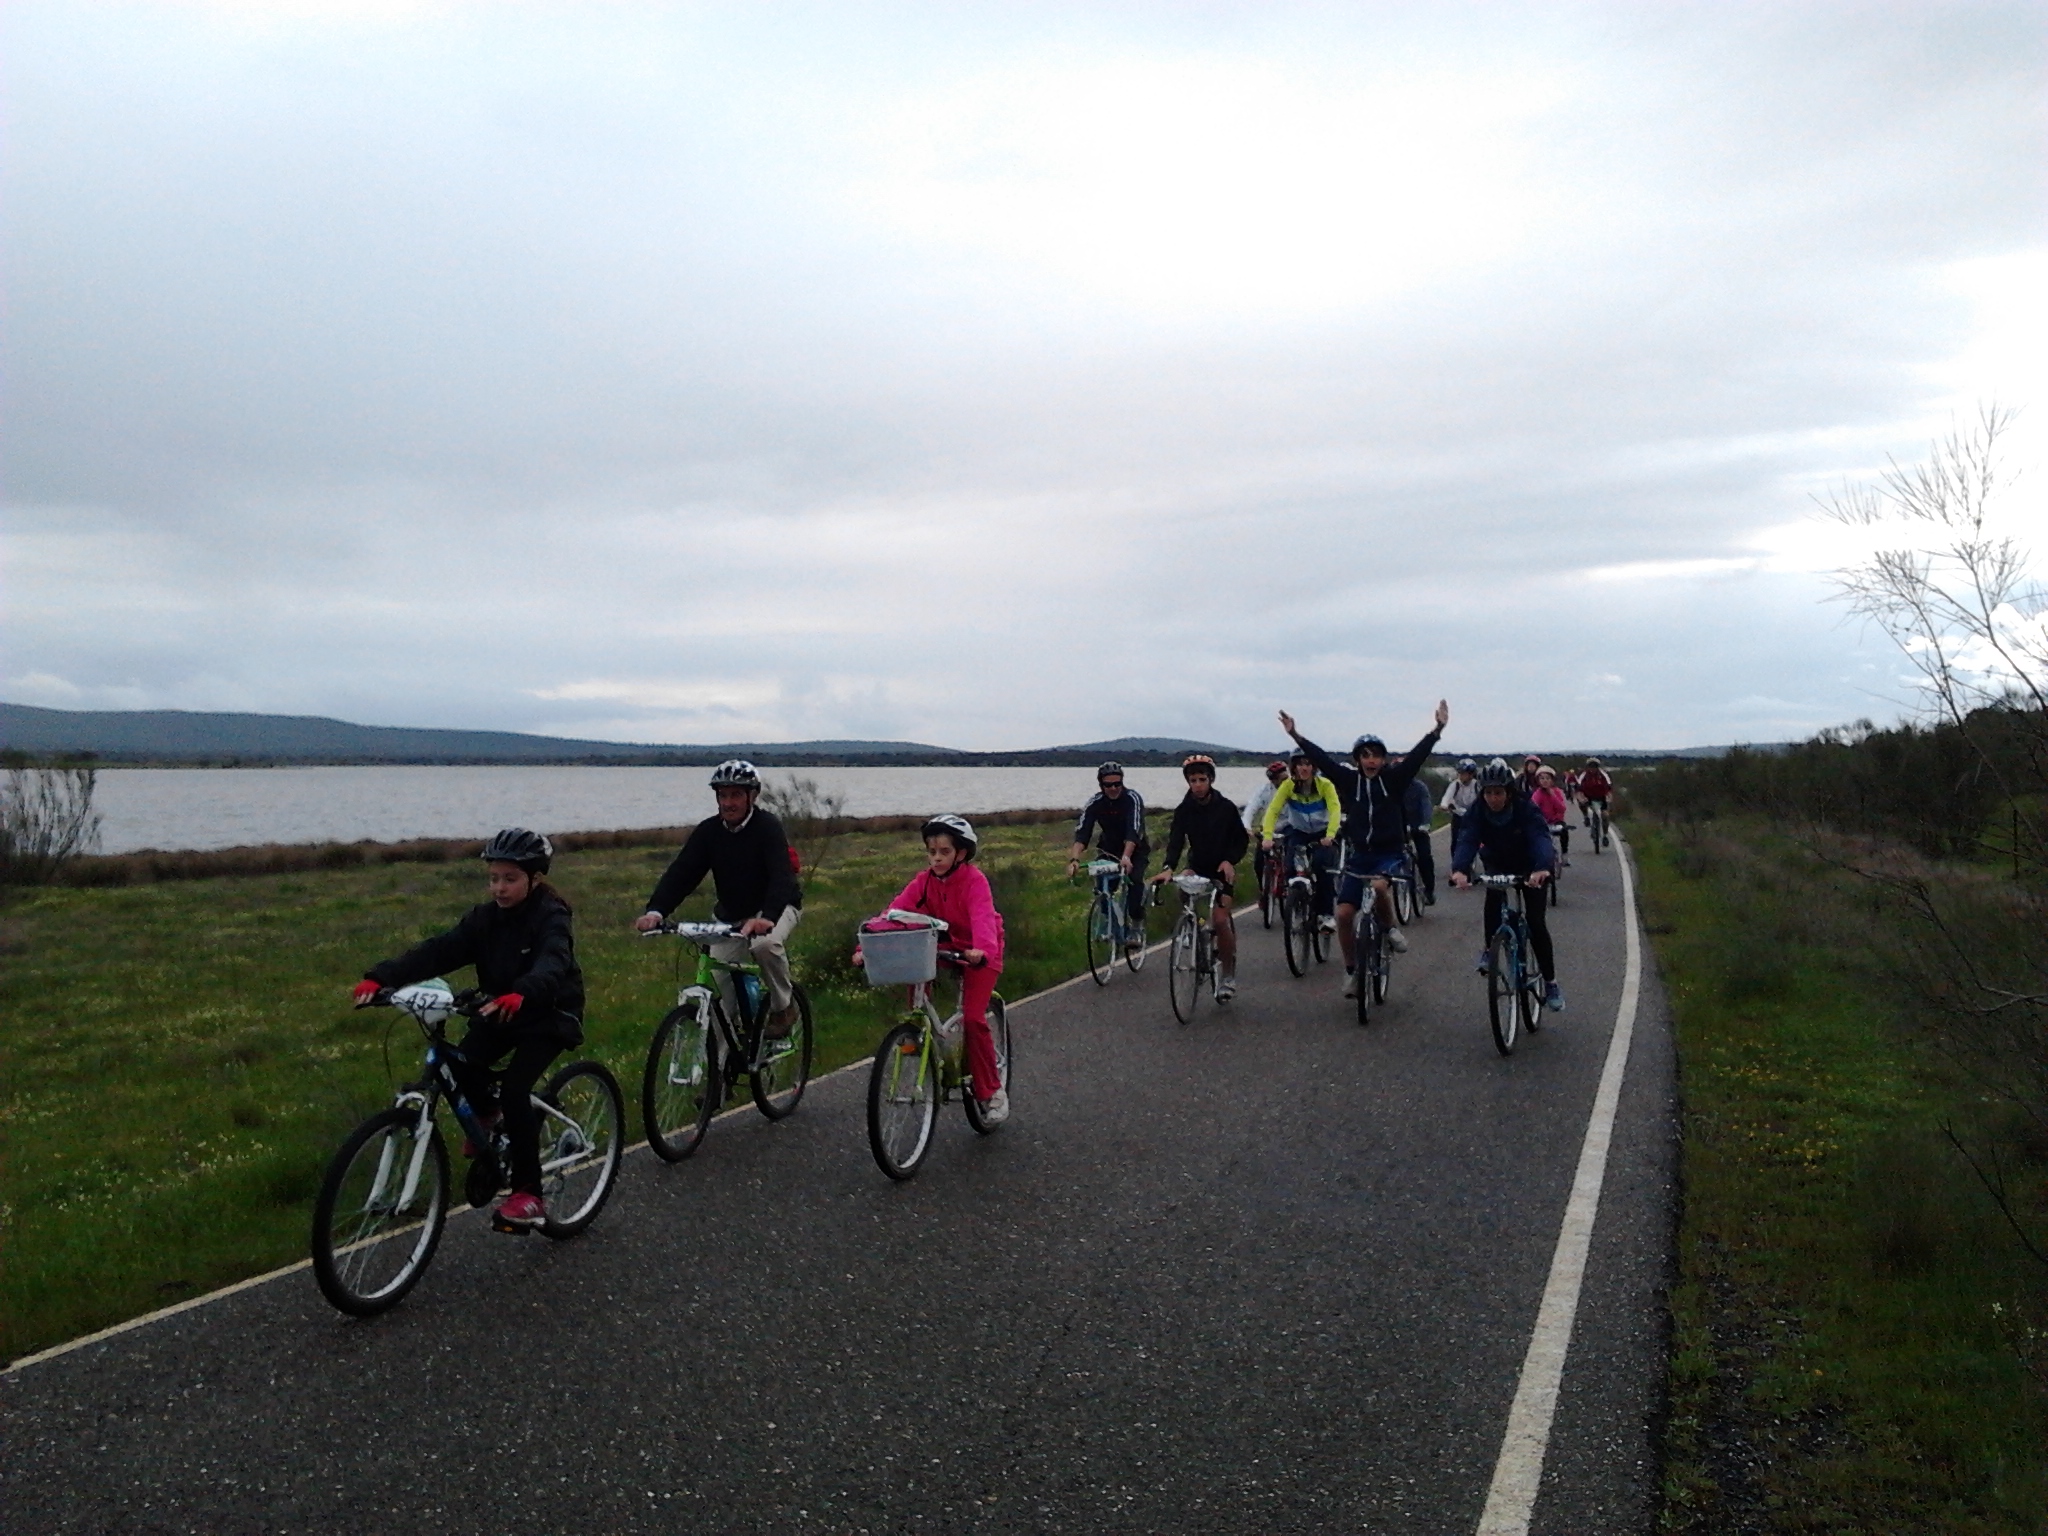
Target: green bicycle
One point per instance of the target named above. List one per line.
(921, 1062)
(714, 1036)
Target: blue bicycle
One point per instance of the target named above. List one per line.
(1515, 988)
(1112, 930)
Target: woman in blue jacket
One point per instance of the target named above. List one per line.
(1511, 835)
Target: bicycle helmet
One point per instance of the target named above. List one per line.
(736, 771)
(1198, 762)
(1592, 762)
(1109, 770)
(959, 828)
(1299, 755)
(1467, 765)
(515, 845)
(1276, 770)
(1369, 743)
(1497, 775)
(1547, 772)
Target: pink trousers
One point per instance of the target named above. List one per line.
(977, 985)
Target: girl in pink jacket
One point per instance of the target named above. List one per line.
(1550, 802)
(950, 887)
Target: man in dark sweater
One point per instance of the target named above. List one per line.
(1208, 828)
(744, 851)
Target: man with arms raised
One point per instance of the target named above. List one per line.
(745, 852)
(1374, 794)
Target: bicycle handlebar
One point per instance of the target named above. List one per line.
(702, 933)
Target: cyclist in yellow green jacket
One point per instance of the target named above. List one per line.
(1306, 807)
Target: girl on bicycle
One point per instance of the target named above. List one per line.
(1509, 833)
(1552, 806)
(952, 888)
(525, 957)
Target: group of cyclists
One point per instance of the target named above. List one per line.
(1361, 821)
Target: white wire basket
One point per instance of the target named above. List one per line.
(900, 957)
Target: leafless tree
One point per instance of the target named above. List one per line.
(814, 818)
(46, 817)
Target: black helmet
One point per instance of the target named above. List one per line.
(1198, 762)
(515, 845)
(736, 771)
(1109, 770)
(959, 828)
(1379, 747)
(1497, 775)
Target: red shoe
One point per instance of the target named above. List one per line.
(520, 1210)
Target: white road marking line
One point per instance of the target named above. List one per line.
(1518, 1472)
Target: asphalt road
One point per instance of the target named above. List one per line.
(1268, 1272)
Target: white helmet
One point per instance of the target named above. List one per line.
(736, 771)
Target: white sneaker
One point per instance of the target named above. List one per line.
(997, 1109)
(1226, 989)
(1351, 983)
(1397, 941)
(1327, 924)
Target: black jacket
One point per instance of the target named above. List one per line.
(1374, 808)
(749, 865)
(1211, 830)
(528, 949)
(1115, 822)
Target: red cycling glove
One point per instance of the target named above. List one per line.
(507, 1007)
(366, 991)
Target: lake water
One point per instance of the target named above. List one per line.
(223, 807)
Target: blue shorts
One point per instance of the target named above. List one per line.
(1362, 868)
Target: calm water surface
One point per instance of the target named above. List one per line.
(224, 807)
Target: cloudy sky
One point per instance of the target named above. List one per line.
(994, 375)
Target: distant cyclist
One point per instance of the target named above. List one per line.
(1306, 806)
(745, 852)
(1421, 812)
(1461, 793)
(1594, 787)
(1531, 766)
(1550, 803)
(1255, 818)
(1207, 827)
(1374, 795)
(1508, 832)
(1115, 818)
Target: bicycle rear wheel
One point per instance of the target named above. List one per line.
(582, 1136)
(1535, 994)
(1183, 976)
(1503, 995)
(1101, 931)
(1295, 921)
(903, 1100)
(999, 1028)
(683, 1083)
(1134, 937)
(1382, 970)
(778, 1083)
(1404, 899)
(372, 1239)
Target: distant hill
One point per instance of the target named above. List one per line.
(194, 737)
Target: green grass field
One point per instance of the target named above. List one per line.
(1857, 1334)
(180, 1059)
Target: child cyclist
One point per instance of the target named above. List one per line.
(525, 958)
(1207, 828)
(951, 887)
(1550, 802)
(1508, 831)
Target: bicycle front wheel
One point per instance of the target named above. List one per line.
(1101, 939)
(582, 1137)
(380, 1212)
(1183, 973)
(903, 1101)
(999, 1028)
(682, 1086)
(1503, 995)
(1295, 921)
(785, 1065)
(1365, 940)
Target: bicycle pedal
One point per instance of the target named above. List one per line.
(509, 1228)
